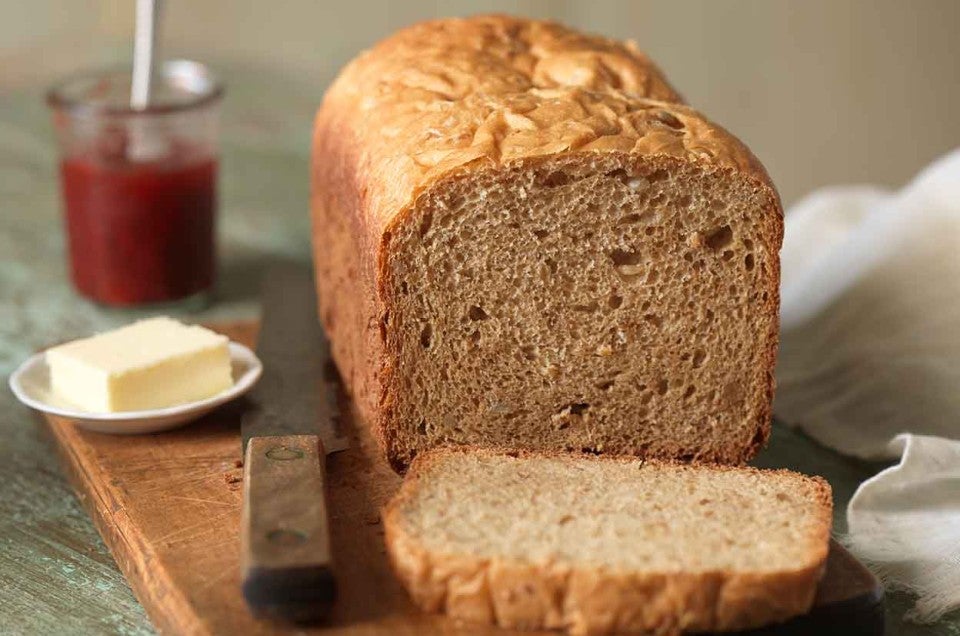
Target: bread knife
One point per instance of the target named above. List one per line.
(290, 424)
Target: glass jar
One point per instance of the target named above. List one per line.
(139, 187)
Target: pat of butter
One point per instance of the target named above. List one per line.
(150, 364)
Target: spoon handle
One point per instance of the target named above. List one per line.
(148, 17)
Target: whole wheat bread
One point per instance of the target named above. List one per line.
(597, 545)
(523, 239)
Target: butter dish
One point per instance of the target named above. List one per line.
(31, 385)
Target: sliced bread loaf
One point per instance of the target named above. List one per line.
(597, 545)
(524, 240)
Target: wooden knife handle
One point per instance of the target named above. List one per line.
(285, 534)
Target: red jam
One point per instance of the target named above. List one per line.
(140, 232)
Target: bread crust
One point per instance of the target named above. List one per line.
(528, 595)
(448, 98)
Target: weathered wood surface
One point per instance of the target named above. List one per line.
(169, 507)
(285, 559)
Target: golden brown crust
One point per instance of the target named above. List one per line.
(455, 96)
(457, 93)
(515, 594)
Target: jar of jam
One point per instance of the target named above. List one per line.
(139, 186)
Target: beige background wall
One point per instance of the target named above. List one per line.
(824, 91)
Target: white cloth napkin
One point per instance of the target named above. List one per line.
(870, 364)
(906, 522)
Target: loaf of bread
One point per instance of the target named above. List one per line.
(524, 239)
(598, 545)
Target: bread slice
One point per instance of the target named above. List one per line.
(598, 545)
(524, 240)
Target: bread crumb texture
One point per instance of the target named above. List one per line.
(597, 545)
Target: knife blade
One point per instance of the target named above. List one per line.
(291, 423)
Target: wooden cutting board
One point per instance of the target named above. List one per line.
(168, 507)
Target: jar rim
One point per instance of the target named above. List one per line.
(188, 85)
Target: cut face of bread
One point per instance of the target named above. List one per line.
(601, 544)
(598, 302)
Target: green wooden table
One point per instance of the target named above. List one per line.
(56, 576)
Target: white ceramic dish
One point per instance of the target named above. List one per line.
(31, 384)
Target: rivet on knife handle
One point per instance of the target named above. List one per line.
(285, 546)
